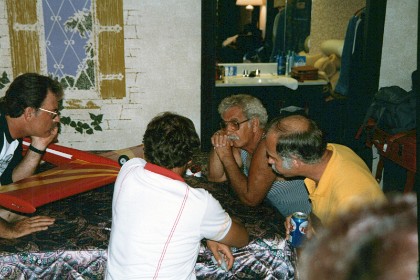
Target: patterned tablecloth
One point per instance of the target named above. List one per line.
(75, 247)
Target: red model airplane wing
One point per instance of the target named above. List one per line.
(75, 172)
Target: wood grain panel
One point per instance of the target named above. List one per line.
(24, 36)
(111, 63)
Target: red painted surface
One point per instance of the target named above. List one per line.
(76, 171)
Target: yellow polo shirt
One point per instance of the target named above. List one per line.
(346, 183)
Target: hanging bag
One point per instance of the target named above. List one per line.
(393, 109)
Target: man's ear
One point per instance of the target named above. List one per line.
(295, 161)
(255, 124)
(28, 113)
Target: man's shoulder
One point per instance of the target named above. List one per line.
(134, 162)
(3, 124)
(200, 192)
(343, 154)
(337, 147)
(205, 198)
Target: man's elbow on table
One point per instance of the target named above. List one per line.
(242, 235)
(215, 179)
(237, 236)
(250, 200)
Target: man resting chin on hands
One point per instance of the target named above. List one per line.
(28, 109)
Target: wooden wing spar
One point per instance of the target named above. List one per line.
(75, 172)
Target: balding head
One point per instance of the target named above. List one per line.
(293, 124)
(298, 136)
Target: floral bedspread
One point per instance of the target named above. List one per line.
(75, 247)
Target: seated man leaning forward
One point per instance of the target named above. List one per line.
(158, 220)
(239, 155)
(337, 179)
(28, 109)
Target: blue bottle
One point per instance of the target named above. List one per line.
(291, 61)
(281, 64)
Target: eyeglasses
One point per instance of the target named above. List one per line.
(234, 124)
(53, 114)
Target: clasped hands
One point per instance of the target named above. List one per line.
(220, 139)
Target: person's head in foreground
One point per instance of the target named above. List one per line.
(291, 140)
(372, 243)
(170, 140)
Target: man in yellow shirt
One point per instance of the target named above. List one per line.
(337, 179)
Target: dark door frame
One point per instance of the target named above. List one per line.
(374, 27)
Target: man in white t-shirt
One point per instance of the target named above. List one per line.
(158, 221)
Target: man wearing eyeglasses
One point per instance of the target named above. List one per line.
(28, 109)
(239, 155)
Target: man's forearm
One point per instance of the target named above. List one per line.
(228, 165)
(251, 189)
(237, 236)
(216, 172)
(5, 229)
(27, 166)
(238, 180)
(227, 168)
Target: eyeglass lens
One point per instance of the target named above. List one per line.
(233, 124)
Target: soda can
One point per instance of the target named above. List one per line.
(299, 223)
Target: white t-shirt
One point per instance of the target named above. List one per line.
(6, 153)
(158, 222)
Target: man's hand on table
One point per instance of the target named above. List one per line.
(220, 250)
(24, 227)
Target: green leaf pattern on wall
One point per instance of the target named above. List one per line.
(4, 80)
(83, 127)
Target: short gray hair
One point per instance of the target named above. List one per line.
(250, 105)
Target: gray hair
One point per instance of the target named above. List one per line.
(250, 105)
(298, 136)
